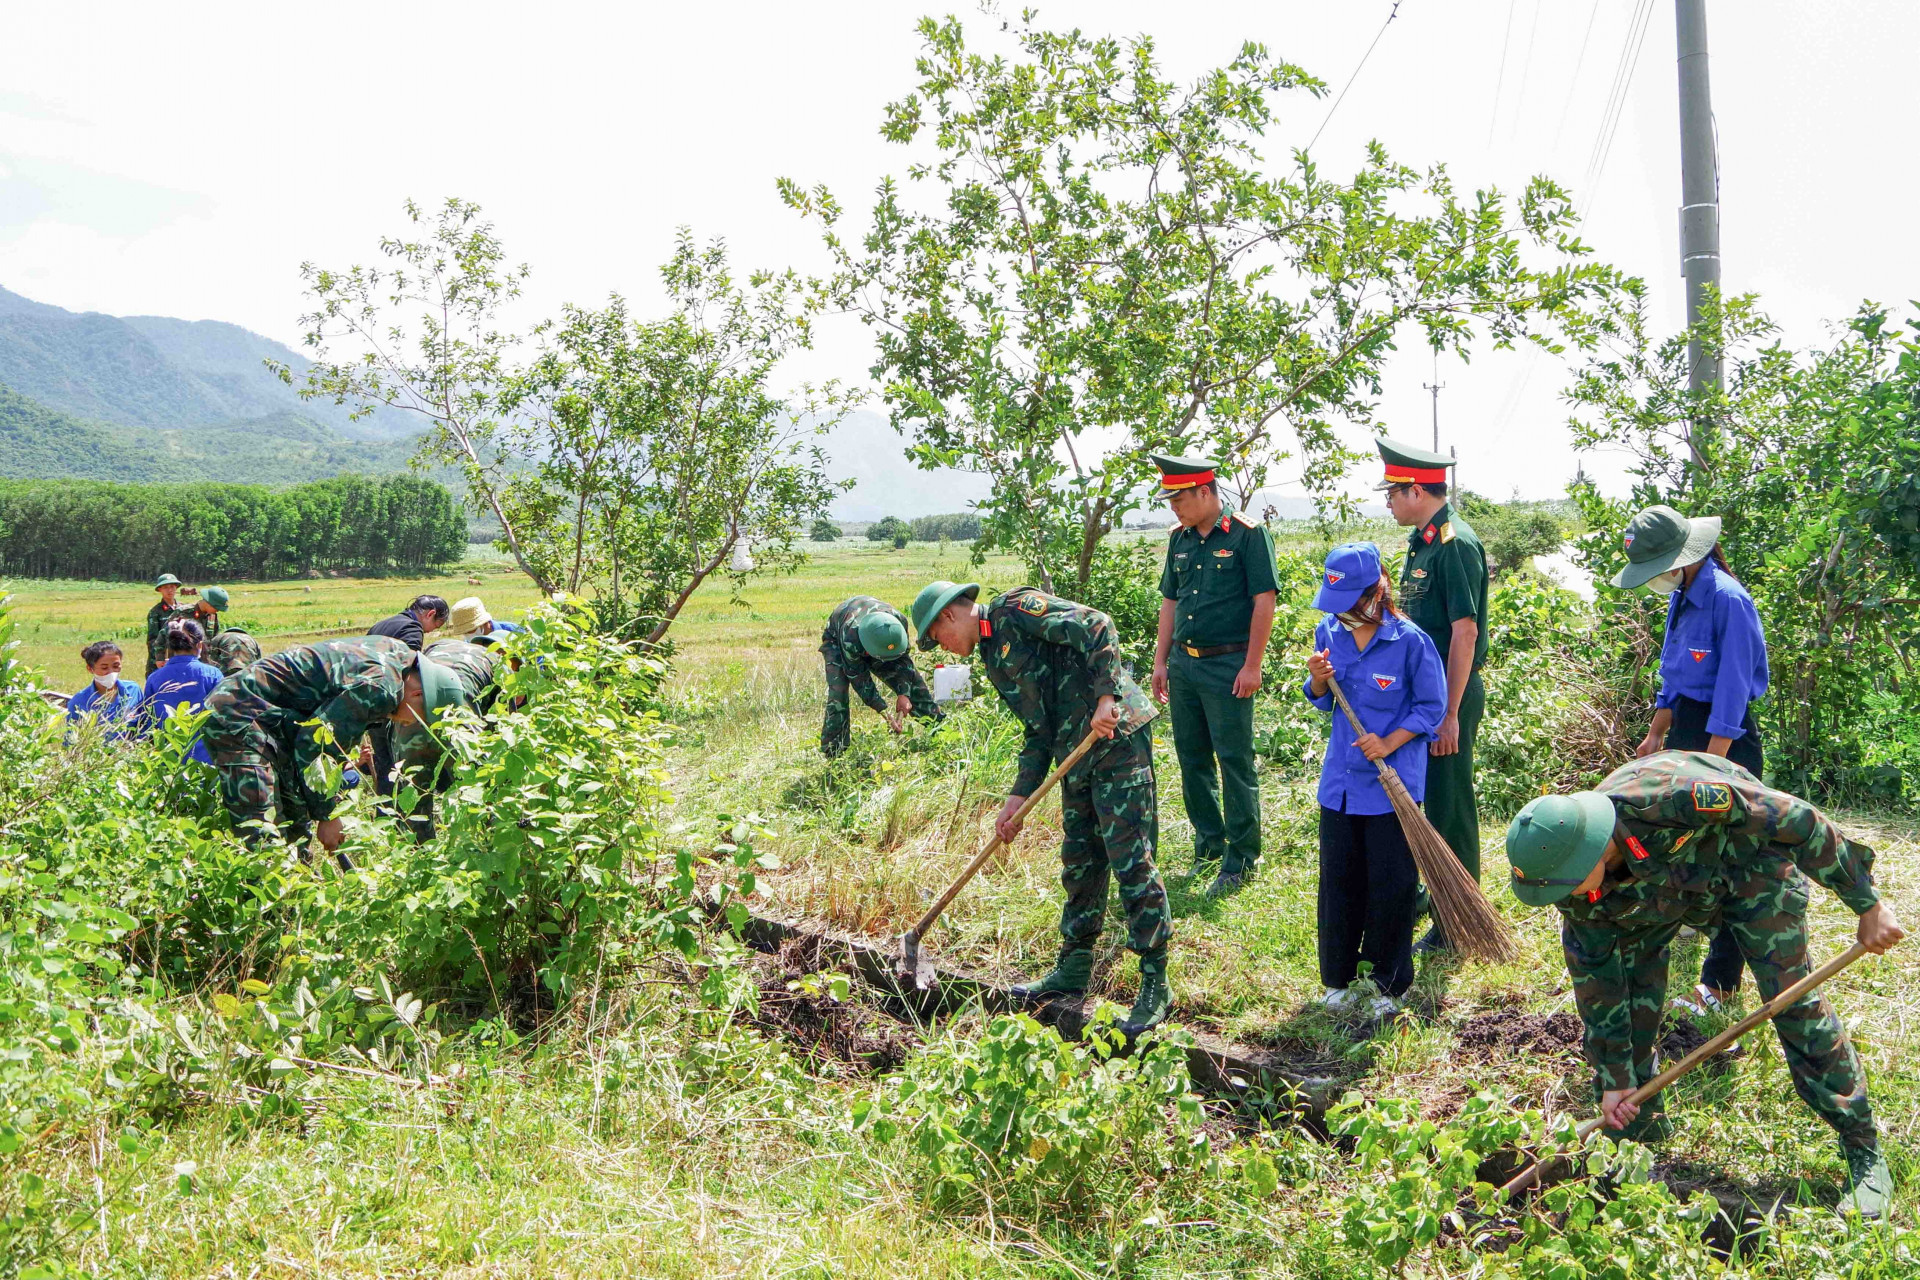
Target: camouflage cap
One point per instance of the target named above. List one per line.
(882, 636)
(1660, 538)
(934, 597)
(1554, 843)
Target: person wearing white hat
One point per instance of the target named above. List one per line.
(471, 621)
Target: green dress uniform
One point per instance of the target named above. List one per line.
(1703, 843)
(852, 664)
(1445, 579)
(1212, 576)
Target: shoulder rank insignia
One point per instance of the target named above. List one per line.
(1032, 604)
(1446, 532)
(1712, 797)
(1638, 850)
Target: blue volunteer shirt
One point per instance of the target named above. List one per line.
(115, 708)
(1397, 682)
(1715, 651)
(181, 681)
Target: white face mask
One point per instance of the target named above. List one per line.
(1667, 583)
(107, 681)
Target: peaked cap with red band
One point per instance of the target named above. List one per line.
(1408, 465)
(1184, 473)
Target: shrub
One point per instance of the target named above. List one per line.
(887, 529)
(962, 526)
(825, 530)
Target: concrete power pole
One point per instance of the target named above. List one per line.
(1699, 195)
(1436, 386)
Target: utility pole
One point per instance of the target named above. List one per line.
(1436, 386)
(1699, 196)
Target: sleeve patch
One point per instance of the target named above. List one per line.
(1446, 532)
(1712, 797)
(1034, 604)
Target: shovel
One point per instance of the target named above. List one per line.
(1531, 1174)
(919, 970)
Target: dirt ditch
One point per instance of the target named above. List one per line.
(821, 1029)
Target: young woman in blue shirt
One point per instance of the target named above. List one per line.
(1392, 677)
(1713, 667)
(108, 699)
(181, 683)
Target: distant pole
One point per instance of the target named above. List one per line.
(1699, 196)
(1436, 386)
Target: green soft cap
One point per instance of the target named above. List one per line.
(165, 580)
(934, 597)
(1554, 843)
(440, 688)
(1660, 538)
(217, 598)
(882, 635)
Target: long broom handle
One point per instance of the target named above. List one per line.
(918, 931)
(1333, 683)
(1531, 1174)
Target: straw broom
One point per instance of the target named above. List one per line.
(1471, 924)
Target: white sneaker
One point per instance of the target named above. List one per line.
(1702, 1002)
(1338, 999)
(1380, 1008)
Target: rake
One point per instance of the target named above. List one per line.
(1466, 917)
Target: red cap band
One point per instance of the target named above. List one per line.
(1397, 474)
(1193, 481)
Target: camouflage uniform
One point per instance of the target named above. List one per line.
(259, 744)
(1051, 661)
(416, 750)
(850, 665)
(157, 619)
(232, 650)
(1706, 844)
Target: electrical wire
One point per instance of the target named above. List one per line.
(1636, 43)
(1391, 15)
(1501, 79)
(1573, 82)
(1526, 69)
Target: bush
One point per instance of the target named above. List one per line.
(899, 541)
(961, 526)
(825, 530)
(888, 529)
(1513, 532)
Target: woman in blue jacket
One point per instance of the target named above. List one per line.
(108, 699)
(181, 683)
(1713, 667)
(1392, 677)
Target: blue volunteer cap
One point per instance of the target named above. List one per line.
(1352, 567)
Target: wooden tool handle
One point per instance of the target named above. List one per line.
(1531, 1174)
(1386, 770)
(993, 846)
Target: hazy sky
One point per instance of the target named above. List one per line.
(184, 160)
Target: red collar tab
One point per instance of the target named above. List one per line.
(1593, 896)
(986, 628)
(1226, 524)
(1638, 850)
(1429, 532)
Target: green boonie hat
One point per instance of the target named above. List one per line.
(440, 688)
(1185, 473)
(217, 597)
(1659, 538)
(165, 580)
(882, 635)
(934, 597)
(1408, 465)
(1554, 842)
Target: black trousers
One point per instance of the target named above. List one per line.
(1368, 884)
(1722, 968)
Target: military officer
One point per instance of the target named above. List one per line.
(1689, 838)
(865, 638)
(418, 749)
(1216, 612)
(165, 610)
(1443, 588)
(1056, 665)
(232, 649)
(261, 733)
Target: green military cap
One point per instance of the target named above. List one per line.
(934, 597)
(217, 598)
(1408, 465)
(1659, 538)
(882, 636)
(1554, 843)
(1185, 473)
(165, 580)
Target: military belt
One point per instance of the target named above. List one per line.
(1212, 650)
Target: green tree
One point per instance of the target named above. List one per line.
(1810, 459)
(887, 528)
(1512, 532)
(825, 530)
(648, 449)
(1102, 267)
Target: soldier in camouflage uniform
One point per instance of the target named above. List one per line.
(232, 649)
(1056, 665)
(265, 752)
(865, 638)
(418, 750)
(166, 609)
(1688, 838)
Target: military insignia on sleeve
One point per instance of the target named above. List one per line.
(1033, 605)
(1699, 655)
(1446, 532)
(1712, 797)
(1427, 533)
(1385, 682)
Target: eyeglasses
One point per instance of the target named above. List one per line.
(1395, 491)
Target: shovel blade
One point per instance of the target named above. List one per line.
(914, 968)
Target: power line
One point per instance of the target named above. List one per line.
(1526, 69)
(1573, 83)
(1391, 15)
(1501, 79)
(1636, 43)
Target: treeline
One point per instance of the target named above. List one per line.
(207, 532)
(959, 526)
